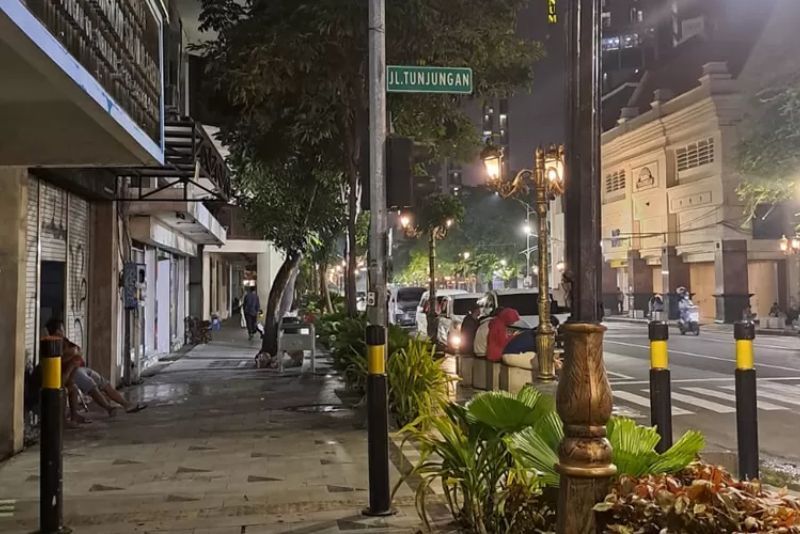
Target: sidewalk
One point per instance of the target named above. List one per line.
(711, 327)
(222, 448)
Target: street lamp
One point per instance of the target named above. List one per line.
(547, 182)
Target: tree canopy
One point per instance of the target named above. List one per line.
(769, 157)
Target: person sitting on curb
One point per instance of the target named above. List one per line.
(87, 380)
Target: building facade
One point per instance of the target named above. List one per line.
(671, 216)
(109, 187)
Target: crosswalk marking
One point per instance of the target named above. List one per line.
(774, 395)
(702, 403)
(764, 405)
(644, 401)
(791, 391)
(7, 507)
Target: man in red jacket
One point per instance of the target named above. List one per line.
(499, 335)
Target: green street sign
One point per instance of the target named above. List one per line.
(457, 80)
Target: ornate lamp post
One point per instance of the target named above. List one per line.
(546, 179)
(584, 399)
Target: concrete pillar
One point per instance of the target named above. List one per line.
(609, 286)
(206, 302)
(196, 285)
(264, 277)
(640, 280)
(13, 217)
(731, 280)
(104, 305)
(675, 274)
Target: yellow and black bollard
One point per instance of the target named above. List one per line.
(51, 510)
(377, 423)
(746, 403)
(660, 389)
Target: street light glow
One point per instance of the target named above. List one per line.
(405, 220)
(492, 157)
(504, 263)
(561, 266)
(526, 229)
(466, 255)
(449, 223)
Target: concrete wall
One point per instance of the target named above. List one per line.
(13, 204)
(104, 298)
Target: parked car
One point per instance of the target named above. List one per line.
(525, 301)
(403, 305)
(422, 306)
(453, 310)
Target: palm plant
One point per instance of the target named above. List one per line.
(499, 444)
(417, 382)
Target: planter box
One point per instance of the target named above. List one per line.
(513, 379)
(465, 365)
(493, 370)
(479, 366)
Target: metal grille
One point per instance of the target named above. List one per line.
(695, 155)
(32, 270)
(78, 270)
(53, 209)
(615, 182)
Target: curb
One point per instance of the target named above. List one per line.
(713, 327)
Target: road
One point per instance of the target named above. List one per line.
(703, 385)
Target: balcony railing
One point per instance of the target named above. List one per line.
(118, 42)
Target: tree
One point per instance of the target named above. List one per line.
(769, 158)
(438, 214)
(295, 74)
(294, 205)
(491, 226)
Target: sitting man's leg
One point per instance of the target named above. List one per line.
(113, 394)
(88, 386)
(74, 405)
(523, 342)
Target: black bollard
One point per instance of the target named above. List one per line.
(660, 389)
(746, 403)
(377, 424)
(51, 509)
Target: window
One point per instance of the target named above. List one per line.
(615, 182)
(695, 155)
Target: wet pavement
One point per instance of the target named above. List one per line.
(223, 447)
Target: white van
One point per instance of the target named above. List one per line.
(525, 301)
(442, 301)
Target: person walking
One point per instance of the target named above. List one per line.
(252, 307)
(620, 301)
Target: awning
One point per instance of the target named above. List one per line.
(191, 219)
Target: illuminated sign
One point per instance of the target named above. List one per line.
(552, 12)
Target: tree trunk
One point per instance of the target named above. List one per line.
(324, 294)
(270, 342)
(433, 323)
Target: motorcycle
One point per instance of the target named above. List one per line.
(689, 320)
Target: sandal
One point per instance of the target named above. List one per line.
(137, 408)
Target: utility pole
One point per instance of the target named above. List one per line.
(584, 398)
(377, 386)
(376, 302)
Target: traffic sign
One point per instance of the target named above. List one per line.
(456, 80)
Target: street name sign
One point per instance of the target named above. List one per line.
(455, 80)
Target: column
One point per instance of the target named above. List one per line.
(104, 305)
(196, 285)
(263, 277)
(13, 216)
(640, 280)
(206, 302)
(676, 274)
(730, 274)
(609, 288)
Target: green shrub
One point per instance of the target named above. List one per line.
(465, 449)
(500, 447)
(417, 382)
